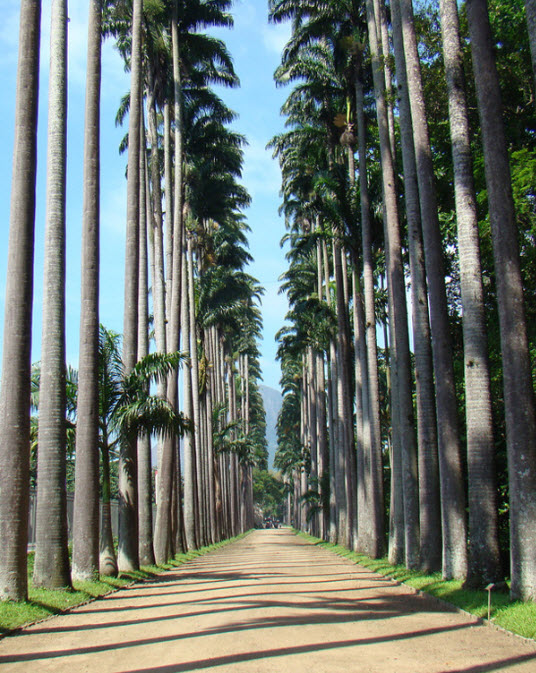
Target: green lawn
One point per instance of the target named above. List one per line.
(42, 602)
(513, 616)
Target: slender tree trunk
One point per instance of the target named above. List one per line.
(51, 569)
(209, 406)
(323, 449)
(312, 414)
(16, 356)
(361, 403)
(169, 452)
(371, 528)
(196, 416)
(85, 563)
(190, 499)
(383, 40)
(517, 380)
(128, 559)
(156, 222)
(145, 471)
(484, 556)
(429, 500)
(453, 498)
(168, 192)
(401, 405)
(107, 558)
(347, 430)
(332, 422)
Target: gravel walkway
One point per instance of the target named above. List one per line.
(270, 602)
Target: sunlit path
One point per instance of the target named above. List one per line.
(270, 602)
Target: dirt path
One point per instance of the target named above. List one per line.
(270, 602)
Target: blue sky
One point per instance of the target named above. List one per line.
(256, 47)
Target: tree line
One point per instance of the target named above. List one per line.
(186, 287)
(408, 424)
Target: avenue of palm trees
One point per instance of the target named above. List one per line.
(191, 310)
(408, 424)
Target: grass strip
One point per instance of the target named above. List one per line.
(515, 616)
(43, 603)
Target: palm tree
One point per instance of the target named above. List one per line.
(15, 386)
(429, 500)
(484, 557)
(403, 438)
(127, 411)
(85, 561)
(454, 524)
(145, 472)
(128, 498)
(51, 569)
(203, 59)
(517, 381)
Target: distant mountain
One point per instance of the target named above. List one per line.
(272, 400)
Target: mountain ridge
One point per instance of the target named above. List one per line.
(272, 400)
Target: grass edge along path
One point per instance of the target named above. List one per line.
(514, 616)
(43, 603)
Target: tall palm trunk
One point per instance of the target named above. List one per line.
(85, 563)
(107, 557)
(209, 406)
(313, 430)
(168, 192)
(169, 453)
(484, 557)
(196, 415)
(429, 500)
(190, 488)
(233, 458)
(51, 569)
(320, 383)
(145, 472)
(517, 380)
(334, 476)
(346, 448)
(401, 405)
(453, 497)
(372, 520)
(361, 407)
(16, 356)
(156, 222)
(128, 559)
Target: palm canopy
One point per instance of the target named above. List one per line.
(126, 406)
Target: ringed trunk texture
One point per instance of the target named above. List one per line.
(517, 380)
(16, 356)
(403, 438)
(85, 562)
(371, 528)
(451, 472)
(484, 556)
(51, 569)
(128, 558)
(145, 485)
(430, 543)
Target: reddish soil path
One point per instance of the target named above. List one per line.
(270, 602)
